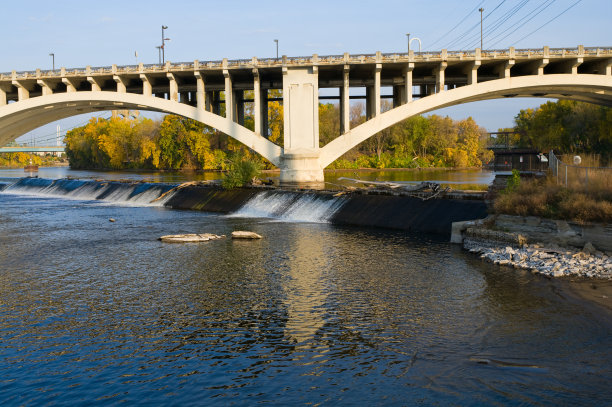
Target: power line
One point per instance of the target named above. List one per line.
(457, 40)
(459, 23)
(549, 21)
(503, 19)
(542, 7)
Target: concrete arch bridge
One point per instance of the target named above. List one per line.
(421, 82)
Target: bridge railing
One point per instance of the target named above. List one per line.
(325, 59)
(573, 176)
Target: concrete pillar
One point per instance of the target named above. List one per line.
(300, 159)
(504, 69)
(96, 84)
(257, 104)
(575, 64)
(369, 102)
(121, 85)
(376, 103)
(440, 77)
(147, 87)
(238, 99)
(45, 87)
(200, 90)
(345, 106)
(398, 95)
(216, 102)
(229, 103)
(173, 93)
(3, 92)
(472, 72)
(408, 81)
(23, 93)
(607, 67)
(70, 85)
(264, 112)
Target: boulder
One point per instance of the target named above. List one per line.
(190, 238)
(241, 234)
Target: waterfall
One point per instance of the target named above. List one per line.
(289, 206)
(141, 194)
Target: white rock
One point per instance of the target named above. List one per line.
(241, 234)
(190, 238)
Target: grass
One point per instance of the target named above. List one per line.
(545, 198)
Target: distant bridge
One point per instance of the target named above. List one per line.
(26, 149)
(421, 82)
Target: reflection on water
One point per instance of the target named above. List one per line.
(312, 314)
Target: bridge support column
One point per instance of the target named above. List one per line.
(345, 124)
(173, 93)
(257, 106)
(23, 93)
(200, 90)
(408, 81)
(121, 84)
(300, 159)
(229, 103)
(440, 77)
(147, 87)
(45, 87)
(3, 91)
(238, 107)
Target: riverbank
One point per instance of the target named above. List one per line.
(553, 248)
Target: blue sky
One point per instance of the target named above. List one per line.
(110, 32)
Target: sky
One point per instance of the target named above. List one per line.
(111, 32)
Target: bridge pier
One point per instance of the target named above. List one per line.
(300, 158)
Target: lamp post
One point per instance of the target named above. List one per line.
(408, 36)
(276, 41)
(52, 55)
(481, 10)
(163, 46)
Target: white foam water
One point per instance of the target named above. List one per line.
(292, 207)
(108, 192)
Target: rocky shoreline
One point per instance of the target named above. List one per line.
(545, 247)
(547, 261)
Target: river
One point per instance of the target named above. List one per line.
(457, 179)
(94, 311)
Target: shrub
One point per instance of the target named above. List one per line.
(241, 171)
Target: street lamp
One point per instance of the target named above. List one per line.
(52, 55)
(481, 10)
(163, 46)
(276, 41)
(408, 36)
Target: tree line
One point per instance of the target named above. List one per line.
(176, 143)
(566, 126)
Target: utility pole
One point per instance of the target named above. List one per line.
(276, 41)
(163, 46)
(481, 10)
(159, 53)
(52, 55)
(408, 35)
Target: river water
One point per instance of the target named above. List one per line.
(93, 311)
(456, 179)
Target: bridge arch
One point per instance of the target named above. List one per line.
(21, 117)
(584, 87)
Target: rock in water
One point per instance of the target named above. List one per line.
(241, 234)
(190, 238)
(111, 220)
